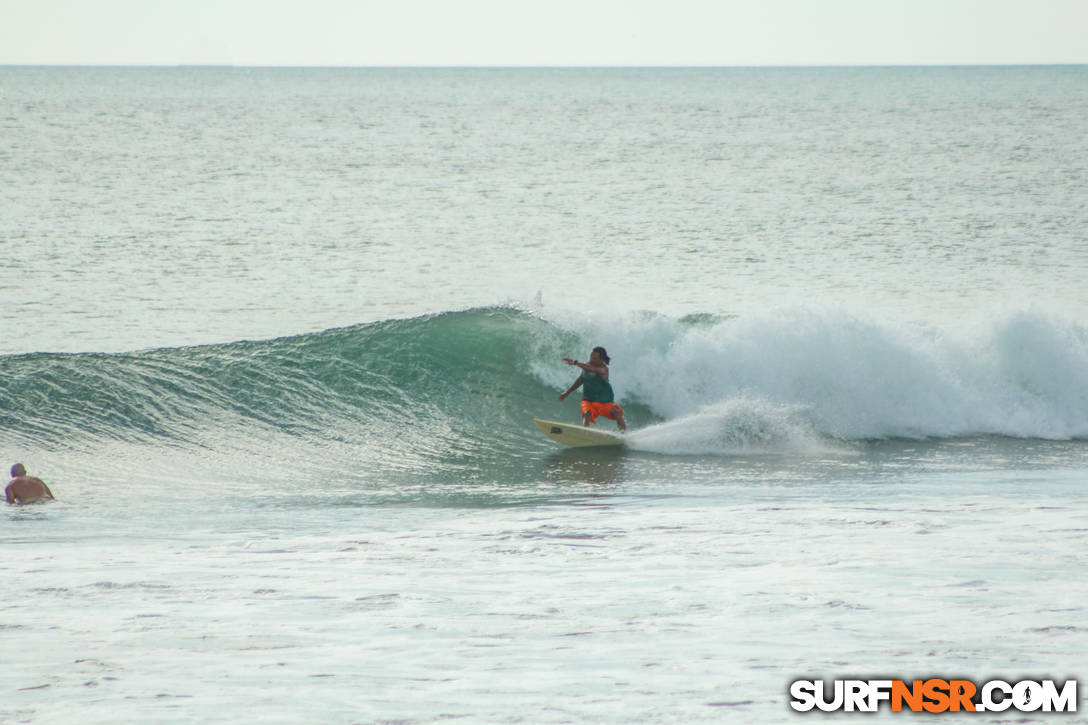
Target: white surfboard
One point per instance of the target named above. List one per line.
(574, 434)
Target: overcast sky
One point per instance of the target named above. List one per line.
(534, 32)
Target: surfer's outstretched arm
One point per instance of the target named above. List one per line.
(589, 367)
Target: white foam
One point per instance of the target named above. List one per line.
(798, 374)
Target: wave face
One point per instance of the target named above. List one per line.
(393, 376)
(466, 383)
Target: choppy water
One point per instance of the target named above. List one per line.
(275, 337)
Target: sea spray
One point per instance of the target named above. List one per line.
(739, 426)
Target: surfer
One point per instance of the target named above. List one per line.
(597, 393)
(24, 488)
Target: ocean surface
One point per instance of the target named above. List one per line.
(275, 338)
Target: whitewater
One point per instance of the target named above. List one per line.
(275, 339)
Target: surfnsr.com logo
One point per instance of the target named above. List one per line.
(934, 695)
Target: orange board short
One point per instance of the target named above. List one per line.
(608, 410)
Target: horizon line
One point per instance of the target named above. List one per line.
(677, 66)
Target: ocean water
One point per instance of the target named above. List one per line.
(275, 338)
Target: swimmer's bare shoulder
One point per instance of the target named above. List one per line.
(24, 488)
